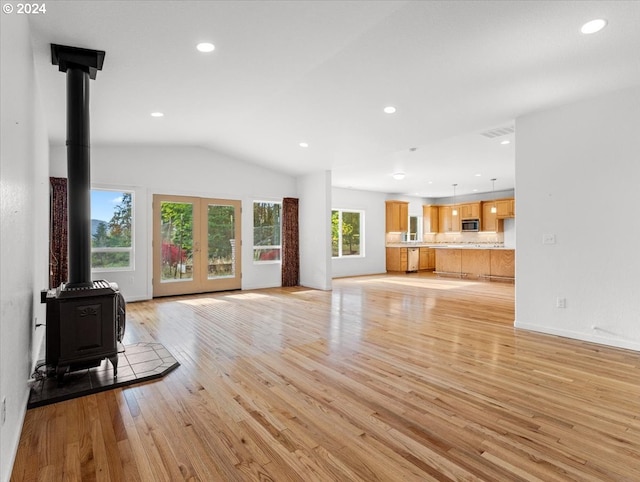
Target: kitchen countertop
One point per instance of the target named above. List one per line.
(417, 244)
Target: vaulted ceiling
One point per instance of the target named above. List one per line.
(321, 72)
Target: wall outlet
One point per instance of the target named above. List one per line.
(3, 409)
(561, 302)
(548, 239)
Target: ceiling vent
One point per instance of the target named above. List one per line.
(500, 131)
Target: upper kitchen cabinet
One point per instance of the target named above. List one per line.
(397, 216)
(469, 210)
(490, 221)
(493, 221)
(448, 222)
(505, 208)
(430, 221)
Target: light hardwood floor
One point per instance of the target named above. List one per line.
(384, 378)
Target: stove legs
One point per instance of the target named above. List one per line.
(114, 362)
(62, 369)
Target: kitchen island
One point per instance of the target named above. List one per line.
(471, 261)
(476, 262)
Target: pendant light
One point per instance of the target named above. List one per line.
(455, 211)
(494, 208)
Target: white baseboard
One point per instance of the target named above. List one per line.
(601, 339)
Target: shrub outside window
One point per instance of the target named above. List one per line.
(267, 228)
(111, 230)
(346, 229)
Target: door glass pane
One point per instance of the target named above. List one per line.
(177, 241)
(221, 253)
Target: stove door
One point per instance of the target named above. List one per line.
(87, 329)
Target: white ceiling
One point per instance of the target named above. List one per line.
(322, 71)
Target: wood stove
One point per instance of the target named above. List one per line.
(85, 318)
(82, 327)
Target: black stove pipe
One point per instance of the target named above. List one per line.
(80, 65)
(79, 177)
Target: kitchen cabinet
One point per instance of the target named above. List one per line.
(469, 211)
(490, 221)
(397, 216)
(430, 219)
(397, 259)
(503, 263)
(448, 261)
(505, 208)
(427, 259)
(448, 222)
(471, 263)
(498, 264)
(475, 263)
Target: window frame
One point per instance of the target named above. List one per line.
(361, 213)
(130, 249)
(265, 247)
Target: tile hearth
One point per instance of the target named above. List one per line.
(137, 363)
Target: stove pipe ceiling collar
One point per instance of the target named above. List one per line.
(88, 60)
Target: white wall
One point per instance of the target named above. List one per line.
(191, 171)
(578, 178)
(23, 229)
(372, 203)
(314, 194)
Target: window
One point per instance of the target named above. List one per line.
(346, 227)
(413, 228)
(267, 226)
(111, 230)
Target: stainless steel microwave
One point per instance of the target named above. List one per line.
(470, 225)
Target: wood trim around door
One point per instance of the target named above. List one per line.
(200, 281)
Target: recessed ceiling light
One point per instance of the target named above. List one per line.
(398, 176)
(389, 109)
(478, 175)
(205, 47)
(303, 144)
(593, 26)
(504, 143)
(157, 114)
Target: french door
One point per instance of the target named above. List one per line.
(196, 245)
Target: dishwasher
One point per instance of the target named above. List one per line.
(413, 259)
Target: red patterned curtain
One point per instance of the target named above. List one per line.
(290, 245)
(58, 261)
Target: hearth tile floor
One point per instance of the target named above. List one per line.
(138, 363)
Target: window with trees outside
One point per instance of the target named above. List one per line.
(267, 229)
(346, 227)
(111, 230)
